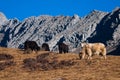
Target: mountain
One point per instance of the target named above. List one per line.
(108, 31)
(71, 30)
(2, 18)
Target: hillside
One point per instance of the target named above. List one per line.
(71, 30)
(15, 65)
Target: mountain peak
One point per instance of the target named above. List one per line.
(97, 11)
(2, 18)
(116, 9)
(76, 16)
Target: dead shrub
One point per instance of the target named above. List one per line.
(46, 61)
(30, 63)
(62, 64)
(6, 64)
(6, 57)
(67, 63)
(43, 61)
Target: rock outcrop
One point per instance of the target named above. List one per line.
(97, 26)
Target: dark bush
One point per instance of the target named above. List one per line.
(46, 61)
(6, 64)
(6, 57)
(30, 63)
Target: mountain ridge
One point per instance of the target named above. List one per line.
(71, 30)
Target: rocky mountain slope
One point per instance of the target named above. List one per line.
(2, 18)
(97, 26)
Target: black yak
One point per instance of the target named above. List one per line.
(63, 48)
(31, 45)
(45, 47)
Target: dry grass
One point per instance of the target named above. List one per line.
(96, 69)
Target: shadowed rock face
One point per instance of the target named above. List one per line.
(108, 31)
(68, 29)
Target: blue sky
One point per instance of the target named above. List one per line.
(22, 9)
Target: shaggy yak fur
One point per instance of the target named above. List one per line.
(31, 45)
(63, 48)
(91, 49)
(45, 47)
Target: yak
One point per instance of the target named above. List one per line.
(31, 45)
(45, 47)
(63, 48)
(91, 49)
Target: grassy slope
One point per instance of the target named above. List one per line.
(96, 69)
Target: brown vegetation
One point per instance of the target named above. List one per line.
(52, 66)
